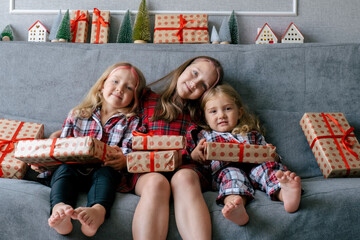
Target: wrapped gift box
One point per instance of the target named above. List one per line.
(181, 28)
(153, 161)
(10, 133)
(239, 152)
(142, 141)
(50, 153)
(79, 20)
(335, 147)
(100, 28)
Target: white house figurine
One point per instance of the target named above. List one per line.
(37, 32)
(266, 35)
(292, 35)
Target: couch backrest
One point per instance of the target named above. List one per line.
(41, 82)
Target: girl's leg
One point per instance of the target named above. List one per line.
(62, 198)
(100, 200)
(191, 212)
(151, 217)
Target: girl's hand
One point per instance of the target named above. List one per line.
(38, 169)
(198, 154)
(116, 160)
(55, 134)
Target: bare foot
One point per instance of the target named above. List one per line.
(234, 210)
(60, 218)
(290, 192)
(90, 218)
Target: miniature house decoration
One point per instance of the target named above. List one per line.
(292, 35)
(37, 32)
(266, 35)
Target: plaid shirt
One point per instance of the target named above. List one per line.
(116, 131)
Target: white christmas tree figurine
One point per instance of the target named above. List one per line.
(215, 39)
(55, 27)
(224, 32)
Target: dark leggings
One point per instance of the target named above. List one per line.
(101, 185)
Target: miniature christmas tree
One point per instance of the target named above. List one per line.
(55, 27)
(233, 26)
(141, 31)
(7, 34)
(215, 39)
(125, 31)
(64, 32)
(224, 32)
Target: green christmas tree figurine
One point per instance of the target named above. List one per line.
(125, 31)
(141, 33)
(7, 33)
(233, 26)
(55, 27)
(64, 32)
(224, 32)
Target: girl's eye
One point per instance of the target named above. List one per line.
(228, 108)
(115, 81)
(213, 111)
(195, 73)
(129, 88)
(204, 86)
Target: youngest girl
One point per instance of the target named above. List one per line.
(228, 120)
(108, 114)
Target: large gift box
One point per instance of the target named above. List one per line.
(333, 143)
(79, 20)
(100, 29)
(240, 152)
(153, 161)
(141, 141)
(181, 28)
(50, 153)
(10, 133)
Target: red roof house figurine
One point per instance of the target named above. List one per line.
(292, 35)
(37, 32)
(266, 35)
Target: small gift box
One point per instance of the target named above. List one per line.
(79, 20)
(50, 153)
(181, 28)
(153, 161)
(10, 133)
(100, 28)
(335, 147)
(149, 141)
(240, 152)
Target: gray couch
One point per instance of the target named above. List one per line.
(40, 82)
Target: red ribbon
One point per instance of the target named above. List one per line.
(100, 20)
(241, 148)
(182, 26)
(74, 23)
(144, 135)
(152, 161)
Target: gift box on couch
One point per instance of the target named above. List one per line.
(11, 132)
(79, 20)
(333, 143)
(240, 152)
(143, 141)
(50, 153)
(181, 28)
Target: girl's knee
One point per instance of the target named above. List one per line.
(153, 183)
(185, 177)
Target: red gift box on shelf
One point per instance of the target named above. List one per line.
(148, 141)
(50, 153)
(153, 161)
(181, 28)
(79, 20)
(335, 147)
(11, 132)
(100, 28)
(240, 152)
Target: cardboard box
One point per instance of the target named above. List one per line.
(142, 141)
(10, 133)
(79, 20)
(50, 153)
(239, 152)
(100, 27)
(153, 161)
(181, 28)
(333, 143)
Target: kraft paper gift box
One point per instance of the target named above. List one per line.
(79, 20)
(153, 161)
(143, 141)
(239, 152)
(181, 28)
(333, 143)
(10, 133)
(50, 153)
(100, 28)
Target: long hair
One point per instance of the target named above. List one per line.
(94, 98)
(170, 104)
(248, 121)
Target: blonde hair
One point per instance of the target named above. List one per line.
(170, 104)
(94, 98)
(248, 121)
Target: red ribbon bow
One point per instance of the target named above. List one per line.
(100, 20)
(144, 135)
(74, 23)
(241, 147)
